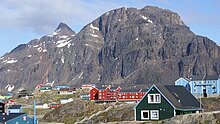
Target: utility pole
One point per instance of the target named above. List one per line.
(35, 120)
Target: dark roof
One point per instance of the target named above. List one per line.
(4, 117)
(179, 97)
(65, 89)
(134, 90)
(15, 107)
(208, 77)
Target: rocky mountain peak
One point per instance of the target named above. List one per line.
(64, 29)
(166, 14)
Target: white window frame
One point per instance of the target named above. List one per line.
(152, 116)
(154, 98)
(142, 114)
(159, 98)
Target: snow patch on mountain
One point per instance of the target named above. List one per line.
(94, 28)
(10, 61)
(63, 59)
(150, 21)
(94, 35)
(144, 17)
(54, 33)
(80, 76)
(63, 43)
(39, 49)
(36, 46)
(44, 50)
(64, 36)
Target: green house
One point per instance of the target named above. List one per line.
(45, 89)
(165, 101)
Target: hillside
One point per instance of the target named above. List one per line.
(124, 113)
(126, 45)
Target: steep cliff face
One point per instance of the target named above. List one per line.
(126, 45)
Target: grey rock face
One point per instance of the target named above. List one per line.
(125, 45)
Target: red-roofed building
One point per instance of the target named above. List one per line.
(110, 94)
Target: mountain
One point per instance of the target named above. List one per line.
(126, 46)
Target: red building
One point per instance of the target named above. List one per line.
(111, 94)
(54, 105)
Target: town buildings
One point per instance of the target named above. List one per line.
(14, 115)
(15, 118)
(201, 85)
(115, 94)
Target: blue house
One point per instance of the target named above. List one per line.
(183, 82)
(58, 87)
(201, 85)
(15, 118)
(15, 109)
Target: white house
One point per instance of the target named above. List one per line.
(65, 100)
(65, 91)
(42, 106)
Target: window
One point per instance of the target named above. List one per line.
(154, 98)
(145, 114)
(154, 114)
(157, 98)
(151, 98)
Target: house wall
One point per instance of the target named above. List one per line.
(209, 86)
(94, 94)
(183, 82)
(179, 112)
(20, 120)
(130, 95)
(218, 86)
(2, 108)
(164, 108)
(15, 110)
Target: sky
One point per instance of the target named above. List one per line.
(24, 20)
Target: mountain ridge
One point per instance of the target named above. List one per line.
(126, 46)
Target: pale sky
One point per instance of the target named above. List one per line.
(24, 20)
